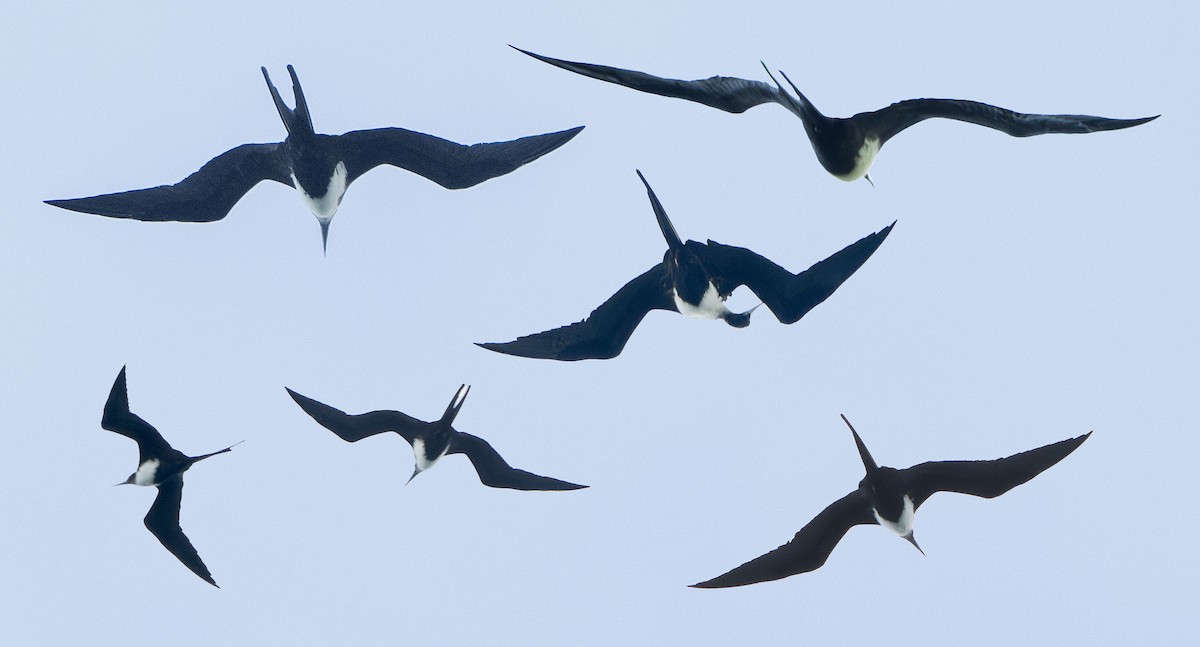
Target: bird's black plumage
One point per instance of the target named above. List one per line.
(846, 147)
(159, 465)
(431, 441)
(685, 275)
(316, 165)
(881, 495)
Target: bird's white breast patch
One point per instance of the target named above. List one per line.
(905, 524)
(711, 305)
(862, 163)
(424, 461)
(326, 205)
(145, 472)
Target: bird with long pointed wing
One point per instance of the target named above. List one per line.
(694, 279)
(431, 441)
(846, 147)
(890, 497)
(320, 167)
(161, 466)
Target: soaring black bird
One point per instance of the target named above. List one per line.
(321, 167)
(694, 279)
(431, 441)
(844, 146)
(890, 497)
(159, 465)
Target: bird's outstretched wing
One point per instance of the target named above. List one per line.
(454, 166)
(807, 551)
(604, 333)
(353, 428)
(117, 417)
(203, 196)
(985, 478)
(789, 296)
(163, 522)
(495, 472)
(722, 92)
(889, 121)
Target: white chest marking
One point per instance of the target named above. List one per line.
(862, 163)
(145, 472)
(425, 462)
(325, 206)
(904, 525)
(711, 305)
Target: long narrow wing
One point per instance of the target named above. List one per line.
(163, 522)
(495, 472)
(789, 296)
(203, 196)
(352, 428)
(726, 93)
(889, 121)
(117, 417)
(454, 166)
(807, 551)
(604, 333)
(985, 478)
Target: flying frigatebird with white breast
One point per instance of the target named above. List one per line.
(694, 279)
(890, 497)
(320, 167)
(161, 466)
(845, 146)
(431, 441)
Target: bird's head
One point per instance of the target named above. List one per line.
(739, 319)
(132, 480)
(321, 192)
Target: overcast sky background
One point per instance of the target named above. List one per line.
(1033, 290)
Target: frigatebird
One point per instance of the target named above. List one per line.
(694, 279)
(320, 167)
(846, 147)
(890, 497)
(431, 441)
(159, 465)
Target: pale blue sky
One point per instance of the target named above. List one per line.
(1034, 289)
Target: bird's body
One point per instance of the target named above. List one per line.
(845, 146)
(431, 441)
(695, 279)
(161, 466)
(890, 497)
(320, 167)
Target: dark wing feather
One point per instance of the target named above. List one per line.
(117, 417)
(495, 472)
(353, 428)
(891, 120)
(723, 92)
(807, 551)
(454, 166)
(604, 333)
(985, 478)
(163, 522)
(789, 296)
(203, 196)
